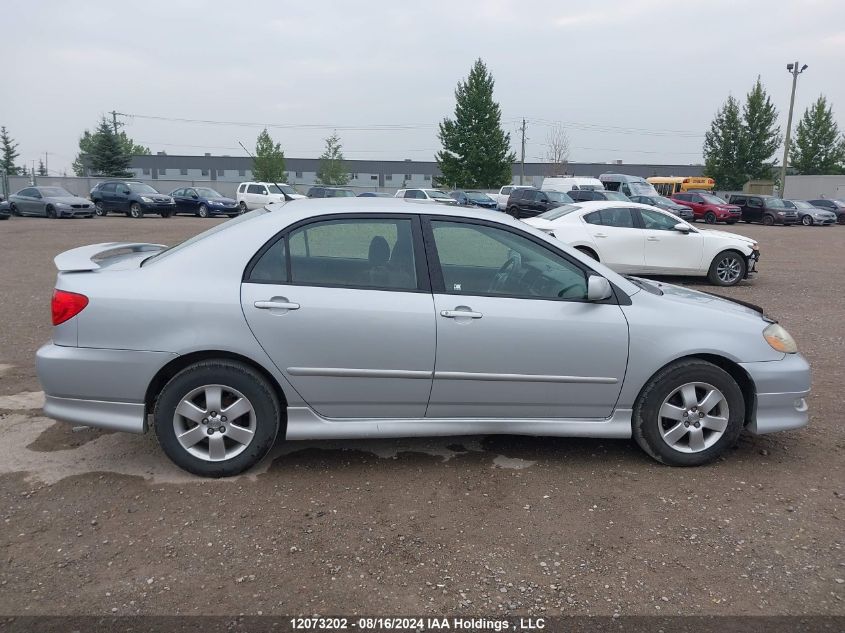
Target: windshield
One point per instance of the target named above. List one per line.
(205, 192)
(777, 203)
(282, 189)
(801, 204)
(215, 229)
(642, 188)
(558, 212)
(558, 196)
(138, 187)
(477, 196)
(437, 195)
(664, 201)
(709, 198)
(55, 192)
(590, 187)
(615, 195)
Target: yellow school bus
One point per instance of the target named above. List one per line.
(667, 186)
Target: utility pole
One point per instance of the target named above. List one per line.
(114, 120)
(522, 154)
(794, 71)
(46, 164)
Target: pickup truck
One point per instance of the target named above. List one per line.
(505, 193)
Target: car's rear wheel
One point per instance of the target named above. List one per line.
(242, 207)
(203, 211)
(768, 220)
(688, 414)
(217, 418)
(135, 211)
(710, 217)
(100, 209)
(807, 220)
(727, 269)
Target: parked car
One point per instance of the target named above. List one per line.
(584, 195)
(831, 204)
(528, 202)
(808, 215)
(374, 194)
(529, 335)
(5, 210)
(666, 204)
(473, 199)
(330, 192)
(708, 207)
(568, 183)
(254, 195)
(640, 239)
(432, 195)
(765, 209)
(628, 185)
(50, 202)
(204, 202)
(131, 198)
(505, 193)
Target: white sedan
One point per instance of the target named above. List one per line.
(641, 239)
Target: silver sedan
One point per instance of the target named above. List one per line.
(355, 318)
(50, 202)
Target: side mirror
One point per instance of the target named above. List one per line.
(598, 288)
(681, 228)
(195, 196)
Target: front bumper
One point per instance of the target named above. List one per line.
(97, 387)
(70, 212)
(751, 264)
(155, 207)
(782, 387)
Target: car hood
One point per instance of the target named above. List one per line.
(726, 234)
(222, 201)
(67, 200)
(687, 296)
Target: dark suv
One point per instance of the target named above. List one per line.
(330, 192)
(583, 195)
(766, 209)
(831, 204)
(527, 202)
(132, 198)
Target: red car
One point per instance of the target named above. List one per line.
(710, 208)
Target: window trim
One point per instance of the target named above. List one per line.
(420, 260)
(439, 287)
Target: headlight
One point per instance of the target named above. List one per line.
(146, 199)
(779, 339)
(781, 212)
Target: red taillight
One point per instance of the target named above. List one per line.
(67, 305)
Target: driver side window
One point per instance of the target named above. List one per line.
(657, 221)
(482, 260)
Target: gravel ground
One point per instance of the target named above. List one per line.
(101, 523)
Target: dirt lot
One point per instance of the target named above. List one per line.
(101, 523)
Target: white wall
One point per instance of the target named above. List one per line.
(810, 187)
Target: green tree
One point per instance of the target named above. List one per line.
(723, 148)
(819, 147)
(42, 168)
(108, 155)
(761, 134)
(86, 146)
(332, 170)
(9, 150)
(269, 162)
(476, 150)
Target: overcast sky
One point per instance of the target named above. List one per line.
(637, 80)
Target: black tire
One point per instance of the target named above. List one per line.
(166, 214)
(768, 220)
(807, 220)
(51, 213)
(729, 222)
(747, 221)
(14, 209)
(727, 261)
(127, 214)
(589, 252)
(710, 218)
(135, 211)
(513, 212)
(202, 211)
(242, 207)
(232, 215)
(100, 209)
(647, 423)
(229, 374)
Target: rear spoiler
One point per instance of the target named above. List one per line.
(88, 257)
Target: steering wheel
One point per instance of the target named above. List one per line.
(504, 273)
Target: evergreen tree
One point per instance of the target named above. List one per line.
(332, 170)
(9, 150)
(86, 146)
(42, 168)
(819, 147)
(269, 162)
(476, 150)
(723, 148)
(108, 156)
(761, 134)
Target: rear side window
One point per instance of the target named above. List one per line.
(684, 196)
(108, 187)
(593, 218)
(620, 218)
(241, 188)
(272, 266)
(506, 190)
(255, 189)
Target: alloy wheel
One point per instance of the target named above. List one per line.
(214, 423)
(693, 417)
(729, 269)
(806, 220)
(203, 211)
(135, 210)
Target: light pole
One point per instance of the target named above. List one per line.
(794, 71)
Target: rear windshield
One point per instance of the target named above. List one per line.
(558, 196)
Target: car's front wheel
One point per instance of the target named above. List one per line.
(242, 207)
(136, 211)
(203, 211)
(217, 418)
(768, 220)
(807, 220)
(727, 269)
(14, 209)
(710, 217)
(100, 209)
(689, 413)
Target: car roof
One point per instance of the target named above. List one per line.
(594, 205)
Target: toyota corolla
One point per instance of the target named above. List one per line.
(354, 318)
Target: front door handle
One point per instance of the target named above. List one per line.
(457, 314)
(600, 235)
(653, 239)
(276, 305)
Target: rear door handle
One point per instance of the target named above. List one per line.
(276, 305)
(600, 235)
(653, 239)
(457, 314)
